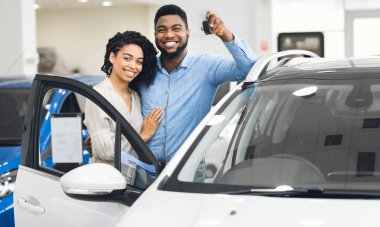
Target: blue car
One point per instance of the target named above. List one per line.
(14, 93)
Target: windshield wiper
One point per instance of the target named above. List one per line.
(276, 192)
(307, 193)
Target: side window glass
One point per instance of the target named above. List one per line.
(217, 151)
(137, 173)
(213, 149)
(70, 104)
(13, 103)
(62, 132)
(210, 156)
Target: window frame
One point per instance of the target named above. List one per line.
(41, 85)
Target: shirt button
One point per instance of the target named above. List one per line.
(166, 92)
(236, 42)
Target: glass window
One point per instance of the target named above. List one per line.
(300, 133)
(56, 103)
(13, 104)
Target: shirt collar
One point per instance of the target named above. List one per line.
(184, 64)
(107, 82)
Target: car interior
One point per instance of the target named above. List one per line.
(13, 108)
(304, 142)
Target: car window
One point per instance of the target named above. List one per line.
(300, 133)
(81, 101)
(56, 101)
(13, 104)
(210, 153)
(62, 133)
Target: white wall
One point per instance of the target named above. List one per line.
(80, 35)
(18, 54)
(327, 16)
(248, 19)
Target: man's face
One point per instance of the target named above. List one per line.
(171, 36)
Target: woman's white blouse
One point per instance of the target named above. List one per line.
(102, 128)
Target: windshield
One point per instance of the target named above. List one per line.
(301, 133)
(13, 104)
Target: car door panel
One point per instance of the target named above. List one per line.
(52, 207)
(39, 197)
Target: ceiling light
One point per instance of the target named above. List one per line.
(36, 6)
(82, 1)
(107, 3)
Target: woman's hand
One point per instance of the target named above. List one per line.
(87, 144)
(151, 122)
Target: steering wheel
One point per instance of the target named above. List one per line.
(273, 170)
(312, 166)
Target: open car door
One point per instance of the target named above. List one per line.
(55, 185)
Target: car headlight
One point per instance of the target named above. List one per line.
(7, 183)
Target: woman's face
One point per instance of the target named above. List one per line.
(127, 62)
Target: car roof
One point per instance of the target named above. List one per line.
(88, 79)
(322, 68)
(8, 78)
(25, 82)
(15, 82)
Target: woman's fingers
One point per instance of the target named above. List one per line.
(155, 114)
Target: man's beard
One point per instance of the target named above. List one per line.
(177, 53)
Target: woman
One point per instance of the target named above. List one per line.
(129, 62)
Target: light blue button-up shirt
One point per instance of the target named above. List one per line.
(186, 94)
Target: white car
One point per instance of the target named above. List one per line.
(295, 144)
(298, 144)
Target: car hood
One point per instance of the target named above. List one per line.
(171, 209)
(9, 158)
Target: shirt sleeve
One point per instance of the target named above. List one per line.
(237, 68)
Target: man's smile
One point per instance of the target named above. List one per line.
(170, 44)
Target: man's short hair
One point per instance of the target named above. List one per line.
(170, 10)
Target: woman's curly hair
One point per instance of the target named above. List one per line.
(148, 72)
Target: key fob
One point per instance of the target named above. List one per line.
(206, 27)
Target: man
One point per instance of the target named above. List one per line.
(185, 84)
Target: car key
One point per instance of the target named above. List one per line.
(206, 27)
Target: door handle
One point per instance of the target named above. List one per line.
(28, 206)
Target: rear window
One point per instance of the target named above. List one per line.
(13, 105)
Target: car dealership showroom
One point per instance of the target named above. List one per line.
(190, 113)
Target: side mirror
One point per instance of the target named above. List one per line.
(93, 179)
